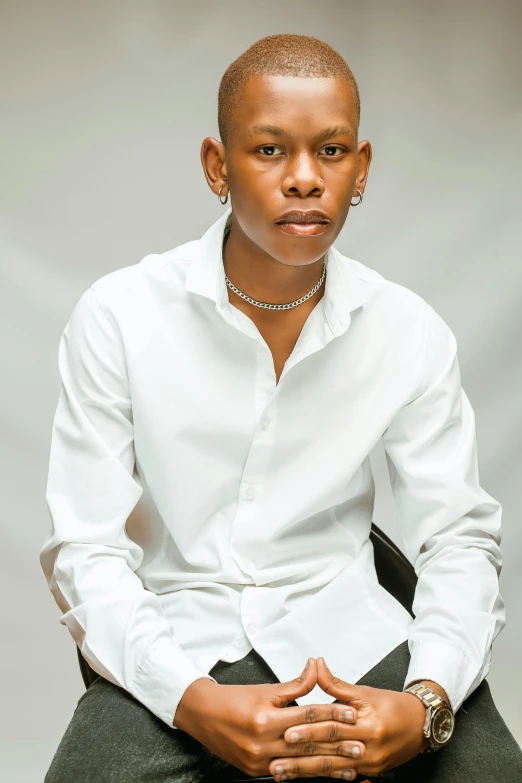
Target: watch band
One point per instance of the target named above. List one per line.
(432, 700)
(426, 695)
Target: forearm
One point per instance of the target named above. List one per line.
(451, 635)
(193, 703)
(451, 527)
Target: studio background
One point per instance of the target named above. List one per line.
(104, 106)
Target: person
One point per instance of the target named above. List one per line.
(211, 496)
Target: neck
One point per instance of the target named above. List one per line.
(262, 277)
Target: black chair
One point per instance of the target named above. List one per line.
(394, 572)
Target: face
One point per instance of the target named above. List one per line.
(294, 147)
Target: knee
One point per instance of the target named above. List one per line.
(59, 772)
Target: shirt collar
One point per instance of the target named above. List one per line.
(344, 289)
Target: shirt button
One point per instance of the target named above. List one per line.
(265, 421)
(251, 628)
(251, 493)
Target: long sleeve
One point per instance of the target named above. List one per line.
(451, 527)
(88, 559)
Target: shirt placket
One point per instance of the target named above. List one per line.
(249, 511)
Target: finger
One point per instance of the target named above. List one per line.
(329, 731)
(313, 766)
(285, 692)
(307, 714)
(329, 683)
(347, 748)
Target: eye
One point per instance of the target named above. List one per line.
(269, 147)
(275, 147)
(333, 147)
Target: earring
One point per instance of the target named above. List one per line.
(360, 199)
(219, 195)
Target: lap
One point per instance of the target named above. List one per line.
(113, 738)
(481, 748)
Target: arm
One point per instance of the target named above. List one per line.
(88, 559)
(451, 527)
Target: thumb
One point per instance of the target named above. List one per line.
(329, 683)
(286, 692)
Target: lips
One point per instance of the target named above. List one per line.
(305, 224)
(303, 229)
(300, 217)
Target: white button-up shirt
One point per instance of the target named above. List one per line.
(199, 510)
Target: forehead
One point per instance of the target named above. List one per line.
(290, 101)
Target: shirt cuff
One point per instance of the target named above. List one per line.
(444, 665)
(163, 677)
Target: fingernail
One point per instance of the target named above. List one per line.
(356, 751)
(348, 715)
(279, 769)
(347, 774)
(294, 736)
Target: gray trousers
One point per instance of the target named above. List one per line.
(113, 738)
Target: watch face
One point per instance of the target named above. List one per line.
(442, 726)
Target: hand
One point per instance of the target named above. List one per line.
(244, 724)
(388, 730)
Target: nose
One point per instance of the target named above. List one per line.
(302, 176)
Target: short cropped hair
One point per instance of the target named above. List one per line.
(282, 54)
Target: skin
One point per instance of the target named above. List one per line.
(245, 724)
(268, 173)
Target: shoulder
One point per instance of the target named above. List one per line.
(128, 290)
(383, 292)
(400, 323)
(397, 303)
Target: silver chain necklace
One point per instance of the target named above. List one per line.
(276, 306)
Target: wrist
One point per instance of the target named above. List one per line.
(440, 718)
(439, 690)
(193, 704)
(417, 720)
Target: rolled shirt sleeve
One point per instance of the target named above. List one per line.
(451, 527)
(88, 559)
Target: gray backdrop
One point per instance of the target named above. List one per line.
(104, 108)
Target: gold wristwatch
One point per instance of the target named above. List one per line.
(440, 719)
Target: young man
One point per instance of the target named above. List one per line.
(211, 495)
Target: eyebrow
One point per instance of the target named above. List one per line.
(327, 133)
